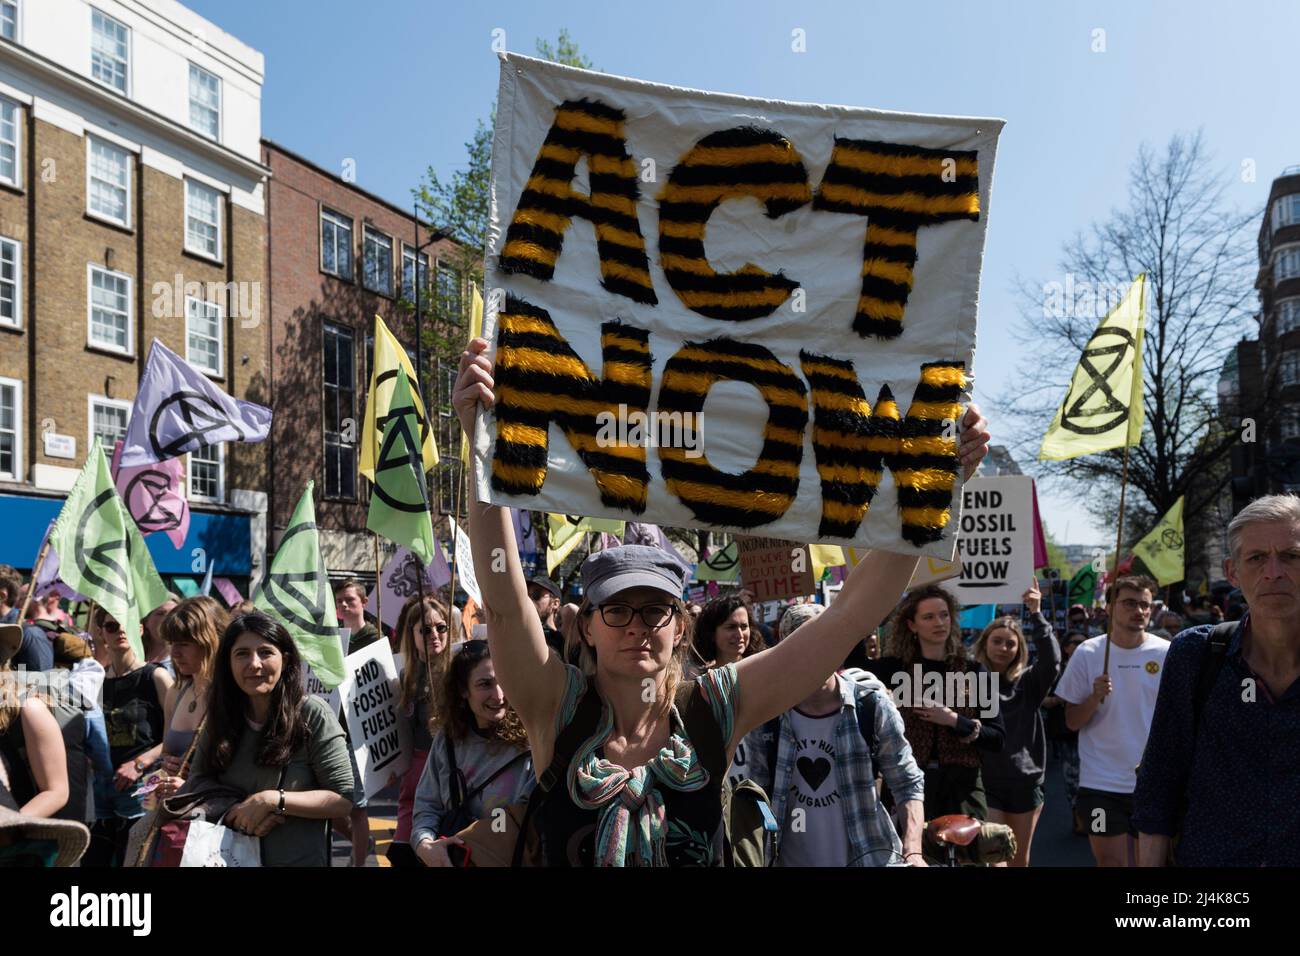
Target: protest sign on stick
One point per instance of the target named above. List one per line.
(380, 734)
(996, 544)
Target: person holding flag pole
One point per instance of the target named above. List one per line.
(1112, 712)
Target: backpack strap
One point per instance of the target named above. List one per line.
(586, 718)
(865, 705)
(1216, 653)
(702, 728)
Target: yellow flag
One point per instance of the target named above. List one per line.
(475, 330)
(389, 356)
(1162, 550)
(1103, 406)
(564, 535)
(825, 556)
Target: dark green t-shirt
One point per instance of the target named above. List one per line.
(367, 635)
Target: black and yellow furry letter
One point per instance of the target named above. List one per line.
(899, 189)
(540, 379)
(731, 163)
(548, 202)
(853, 443)
(763, 493)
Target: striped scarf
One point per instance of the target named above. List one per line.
(632, 815)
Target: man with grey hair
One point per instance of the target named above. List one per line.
(1219, 770)
(819, 762)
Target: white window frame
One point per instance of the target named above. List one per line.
(190, 181)
(17, 144)
(18, 471)
(420, 259)
(1289, 372)
(91, 402)
(338, 220)
(91, 269)
(91, 142)
(221, 329)
(1289, 252)
(1287, 324)
(366, 232)
(18, 20)
(17, 322)
(126, 64)
(220, 497)
(190, 99)
(1286, 211)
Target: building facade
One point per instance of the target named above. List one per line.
(339, 256)
(131, 208)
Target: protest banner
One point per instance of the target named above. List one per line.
(996, 547)
(465, 566)
(773, 570)
(831, 305)
(379, 733)
(401, 579)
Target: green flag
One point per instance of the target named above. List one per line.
(101, 552)
(399, 498)
(297, 593)
(1162, 550)
(721, 566)
(1083, 586)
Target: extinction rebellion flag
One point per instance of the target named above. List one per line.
(101, 552)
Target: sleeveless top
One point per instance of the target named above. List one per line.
(22, 783)
(176, 742)
(668, 812)
(133, 714)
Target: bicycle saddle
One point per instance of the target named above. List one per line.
(955, 828)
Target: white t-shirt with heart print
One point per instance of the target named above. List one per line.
(813, 832)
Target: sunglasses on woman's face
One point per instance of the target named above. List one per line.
(439, 629)
(110, 627)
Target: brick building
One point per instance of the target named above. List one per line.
(131, 208)
(338, 256)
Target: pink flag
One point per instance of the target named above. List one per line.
(153, 496)
(1040, 543)
(229, 593)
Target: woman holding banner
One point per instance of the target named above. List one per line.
(478, 761)
(948, 730)
(283, 748)
(427, 646)
(635, 756)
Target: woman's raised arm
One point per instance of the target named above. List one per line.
(532, 678)
(772, 681)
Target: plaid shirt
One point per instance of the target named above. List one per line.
(873, 841)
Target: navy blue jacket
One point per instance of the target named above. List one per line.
(1240, 777)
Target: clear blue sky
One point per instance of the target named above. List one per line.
(397, 85)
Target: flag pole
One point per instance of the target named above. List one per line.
(36, 573)
(379, 590)
(421, 636)
(1119, 543)
(156, 822)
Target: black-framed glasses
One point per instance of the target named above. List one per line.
(110, 627)
(654, 616)
(439, 629)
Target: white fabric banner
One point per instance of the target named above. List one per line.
(771, 268)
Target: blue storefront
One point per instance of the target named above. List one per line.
(223, 537)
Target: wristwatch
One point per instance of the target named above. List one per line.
(279, 810)
(139, 767)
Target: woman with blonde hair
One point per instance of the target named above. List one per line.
(192, 632)
(425, 639)
(1013, 777)
(31, 744)
(478, 761)
(949, 717)
(632, 758)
